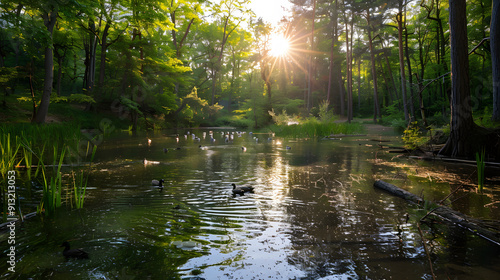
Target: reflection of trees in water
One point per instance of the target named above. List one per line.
(339, 225)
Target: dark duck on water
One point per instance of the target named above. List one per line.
(73, 253)
(158, 183)
(241, 190)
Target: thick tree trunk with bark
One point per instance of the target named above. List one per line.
(49, 20)
(495, 57)
(462, 139)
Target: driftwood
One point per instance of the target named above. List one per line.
(455, 160)
(475, 226)
(345, 135)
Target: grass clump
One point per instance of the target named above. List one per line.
(292, 126)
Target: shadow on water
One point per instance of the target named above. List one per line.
(313, 215)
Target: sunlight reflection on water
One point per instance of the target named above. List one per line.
(313, 215)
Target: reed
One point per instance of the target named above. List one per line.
(81, 180)
(8, 161)
(480, 170)
(52, 188)
(315, 128)
(38, 145)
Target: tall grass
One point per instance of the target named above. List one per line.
(52, 188)
(80, 181)
(314, 128)
(9, 151)
(27, 145)
(480, 170)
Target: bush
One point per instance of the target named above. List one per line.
(412, 137)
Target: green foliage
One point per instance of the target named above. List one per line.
(52, 188)
(325, 115)
(73, 98)
(413, 138)
(313, 128)
(484, 118)
(394, 117)
(30, 145)
(283, 118)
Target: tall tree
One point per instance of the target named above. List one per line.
(376, 106)
(229, 14)
(49, 13)
(399, 19)
(495, 57)
(461, 140)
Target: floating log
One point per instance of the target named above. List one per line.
(398, 192)
(455, 160)
(399, 151)
(345, 135)
(475, 226)
(380, 140)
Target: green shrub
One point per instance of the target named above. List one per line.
(412, 136)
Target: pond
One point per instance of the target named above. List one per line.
(314, 213)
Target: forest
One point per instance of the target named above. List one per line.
(188, 63)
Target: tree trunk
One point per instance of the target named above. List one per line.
(49, 20)
(310, 68)
(59, 74)
(495, 57)
(359, 84)
(410, 75)
(102, 62)
(460, 142)
(399, 18)
(376, 106)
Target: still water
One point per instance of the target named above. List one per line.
(314, 214)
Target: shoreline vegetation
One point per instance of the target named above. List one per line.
(37, 154)
(42, 153)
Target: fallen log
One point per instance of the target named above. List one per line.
(473, 225)
(454, 160)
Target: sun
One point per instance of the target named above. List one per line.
(279, 46)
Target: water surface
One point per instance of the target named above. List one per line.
(314, 214)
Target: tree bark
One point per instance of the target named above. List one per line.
(399, 18)
(495, 57)
(376, 106)
(460, 142)
(49, 20)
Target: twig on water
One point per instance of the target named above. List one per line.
(426, 251)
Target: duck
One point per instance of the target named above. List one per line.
(244, 149)
(158, 183)
(73, 253)
(243, 188)
(238, 191)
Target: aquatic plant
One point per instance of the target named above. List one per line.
(480, 170)
(314, 128)
(52, 189)
(81, 180)
(7, 162)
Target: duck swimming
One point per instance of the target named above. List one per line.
(158, 183)
(244, 189)
(73, 253)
